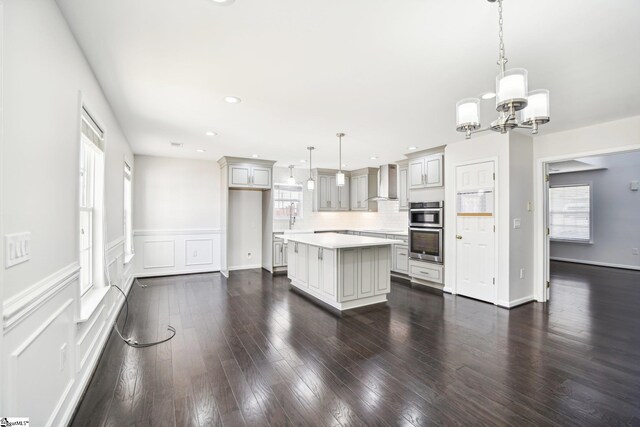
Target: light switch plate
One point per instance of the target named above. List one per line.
(17, 248)
(516, 223)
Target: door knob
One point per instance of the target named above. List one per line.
(458, 236)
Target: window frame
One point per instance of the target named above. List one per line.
(129, 251)
(588, 241)
(300, 201)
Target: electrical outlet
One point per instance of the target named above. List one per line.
(634, 251)
(195, 254)
(530, 206)
(249, 255)
(517, 223)
(522, 273)
(63, 356)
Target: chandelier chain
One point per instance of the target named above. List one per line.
(501, 60)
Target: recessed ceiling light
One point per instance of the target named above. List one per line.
(344, 165)
(488, 95)
(255, 156)
(200, 150)
(223, 2)
(211, 133)
(232, 99)
(373, 157)
(303, 161)
(413, 148)
(176, 144)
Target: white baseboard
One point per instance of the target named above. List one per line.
(516, 302)
(599, 264)
(175, 272)
(245, 267)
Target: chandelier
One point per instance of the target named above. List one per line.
(517, 108)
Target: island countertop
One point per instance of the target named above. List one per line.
(339, 241)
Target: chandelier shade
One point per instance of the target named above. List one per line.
(340, 179)
(468, 114)
(537, 109)
(311, 184)
(511, 89)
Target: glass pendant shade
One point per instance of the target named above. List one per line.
(311, 184)
(340, 179)
(537, 108)
(512, 89)
(468, 114)
(291, 181)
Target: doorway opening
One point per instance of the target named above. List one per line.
(589, 216)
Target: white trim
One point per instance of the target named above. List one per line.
(186, 232)
(516, 302)
(175, 272)
(540, 256)
(115, 243)
(20, 306)
(597, 263)
(245, 267)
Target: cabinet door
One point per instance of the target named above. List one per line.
(324, 193)
(363, 191)
(285, 253)
(354, 193)
(383, 269)
(403, 190)
(278, 255)
(291, 257)
(401, 259)
(416, 173)
(348, 274)
(343, 195)
(434, 171)
(333, 193)
(302, 264)
(239, 176)
(367, 276)
(261, 177)
(328, 272)
(313, 259)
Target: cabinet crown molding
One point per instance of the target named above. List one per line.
(228, 160)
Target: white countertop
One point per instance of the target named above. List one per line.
(338, 241)
(316, 230)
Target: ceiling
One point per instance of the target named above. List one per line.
(386, 72)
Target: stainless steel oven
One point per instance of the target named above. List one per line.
(426, 244)
(426, 214)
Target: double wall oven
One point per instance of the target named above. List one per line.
(426, 235)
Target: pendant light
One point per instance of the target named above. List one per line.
(516, 106)
(311, 184)
(291, 180)
(340, 175)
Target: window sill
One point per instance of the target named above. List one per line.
(90, 301)
(128, 258)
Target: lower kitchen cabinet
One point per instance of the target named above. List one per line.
(400, 259)
(297, 263)
(426, 271)
(279, 253)
(364, 272)
(321, 270)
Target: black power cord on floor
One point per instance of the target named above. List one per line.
(130, 341)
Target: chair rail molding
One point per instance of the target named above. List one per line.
(171, 232)
(20, 306)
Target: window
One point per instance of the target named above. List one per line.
(128, 229)
(91, 203)
(287, 200)
(570, 213)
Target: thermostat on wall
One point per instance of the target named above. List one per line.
(635, 185)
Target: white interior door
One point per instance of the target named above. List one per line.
(475, 234)
(547, 239)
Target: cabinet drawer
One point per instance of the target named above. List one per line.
(424, 271)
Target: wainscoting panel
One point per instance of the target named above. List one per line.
(49, 356)
(168, 252)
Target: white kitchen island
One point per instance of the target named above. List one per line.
(341, 270)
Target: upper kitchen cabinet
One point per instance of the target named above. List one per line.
(426, 171)
(364, 187)
(403, 185)
(250, 174)
(328, 196)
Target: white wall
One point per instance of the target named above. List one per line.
(602, 138)
(245, 229)
(388, 216)
(43, 75)
(616, 212)
(176, 216)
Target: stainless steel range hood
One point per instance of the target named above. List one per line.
(387, 184)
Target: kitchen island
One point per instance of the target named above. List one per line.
(340, 270)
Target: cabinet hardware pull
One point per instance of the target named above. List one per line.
(425, 272)
(458, 236)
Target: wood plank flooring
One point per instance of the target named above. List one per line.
(250, 352)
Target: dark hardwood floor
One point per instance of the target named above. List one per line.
(250, 352)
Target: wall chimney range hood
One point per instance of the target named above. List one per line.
(387, 184)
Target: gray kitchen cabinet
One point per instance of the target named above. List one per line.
(426, 172)
(364, 186)
(400, 262)
(249, 176)
(403, 187)
(328, 196)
